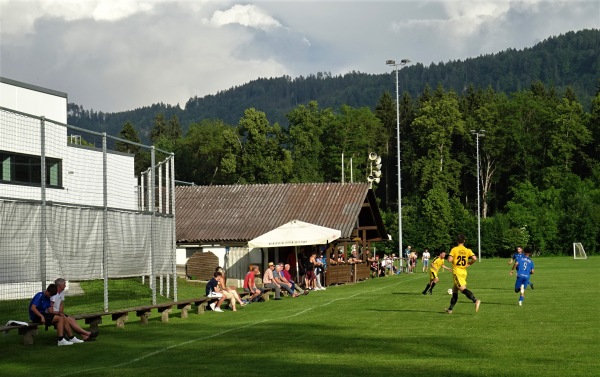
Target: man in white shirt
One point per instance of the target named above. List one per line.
(57, 308)
(425, 259)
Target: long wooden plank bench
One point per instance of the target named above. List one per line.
(120, 316)
(28, 331)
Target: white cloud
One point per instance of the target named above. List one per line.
(245, 15)
(20, 16)
(114, 55)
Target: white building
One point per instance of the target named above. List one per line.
(74, 172)
(72, 243)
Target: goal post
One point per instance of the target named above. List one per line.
(578, 251)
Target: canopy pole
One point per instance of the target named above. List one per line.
(297, 270)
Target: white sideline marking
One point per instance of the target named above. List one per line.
(224, 332)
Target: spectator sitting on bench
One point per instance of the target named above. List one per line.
(269, 282)
(277, 276)
(287, 278)
(214, 291)
(250, 284)
(57, 308)
(38, 313)
(230, 293)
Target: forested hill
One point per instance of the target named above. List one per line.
(572, 59)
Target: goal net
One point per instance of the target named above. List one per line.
(578, 251)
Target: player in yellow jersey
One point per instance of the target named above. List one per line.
(436, 264)
(461, 258)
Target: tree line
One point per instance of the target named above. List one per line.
(571, 59)
(538, 150)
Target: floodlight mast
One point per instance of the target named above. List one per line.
(478, 134)
(393, 63)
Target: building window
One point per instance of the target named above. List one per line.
(23, 169)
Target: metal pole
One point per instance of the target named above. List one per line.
(105, 219)
(399, 169)
(478, 205)
(477, 134)
(43, 231)
(402, 62)
(342, 167)
(173, 228)
(152, 209)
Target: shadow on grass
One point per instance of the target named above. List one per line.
(408, 293)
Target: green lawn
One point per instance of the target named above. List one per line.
(378, 327)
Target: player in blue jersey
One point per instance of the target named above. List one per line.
(524, 269)
(515, 258)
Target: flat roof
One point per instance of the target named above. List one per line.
(32, 87)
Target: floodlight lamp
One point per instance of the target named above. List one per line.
(404, 61)
(390, 62)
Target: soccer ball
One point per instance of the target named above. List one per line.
(449, 291)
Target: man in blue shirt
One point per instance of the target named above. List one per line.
(38, 312)
(524, 269)
(515, 258)
(214, 291)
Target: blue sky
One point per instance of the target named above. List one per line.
(114, 55)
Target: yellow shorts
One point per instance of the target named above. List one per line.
(432, 274)
(460, 279)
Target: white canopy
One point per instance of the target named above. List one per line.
(296, 233)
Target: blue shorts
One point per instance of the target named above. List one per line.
(521, 280)
(426, 263)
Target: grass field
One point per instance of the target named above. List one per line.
(377, 327)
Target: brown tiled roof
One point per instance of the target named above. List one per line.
(240, 213)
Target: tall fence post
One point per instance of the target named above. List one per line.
(173, 229)
(152, 209)
(160, 169)
(105, 219)
(43, 230)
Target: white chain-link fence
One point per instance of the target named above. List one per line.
(90, 208)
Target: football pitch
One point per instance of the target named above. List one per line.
(379, 327)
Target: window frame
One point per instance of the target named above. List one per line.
(25, 170)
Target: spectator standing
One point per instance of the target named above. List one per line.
(425, 259)
(412, 261)
(318, 270)
(405, 257)
(309, 278)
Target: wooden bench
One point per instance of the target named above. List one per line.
(28, 331)
(120, 316)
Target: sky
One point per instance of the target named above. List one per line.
(116, 55)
